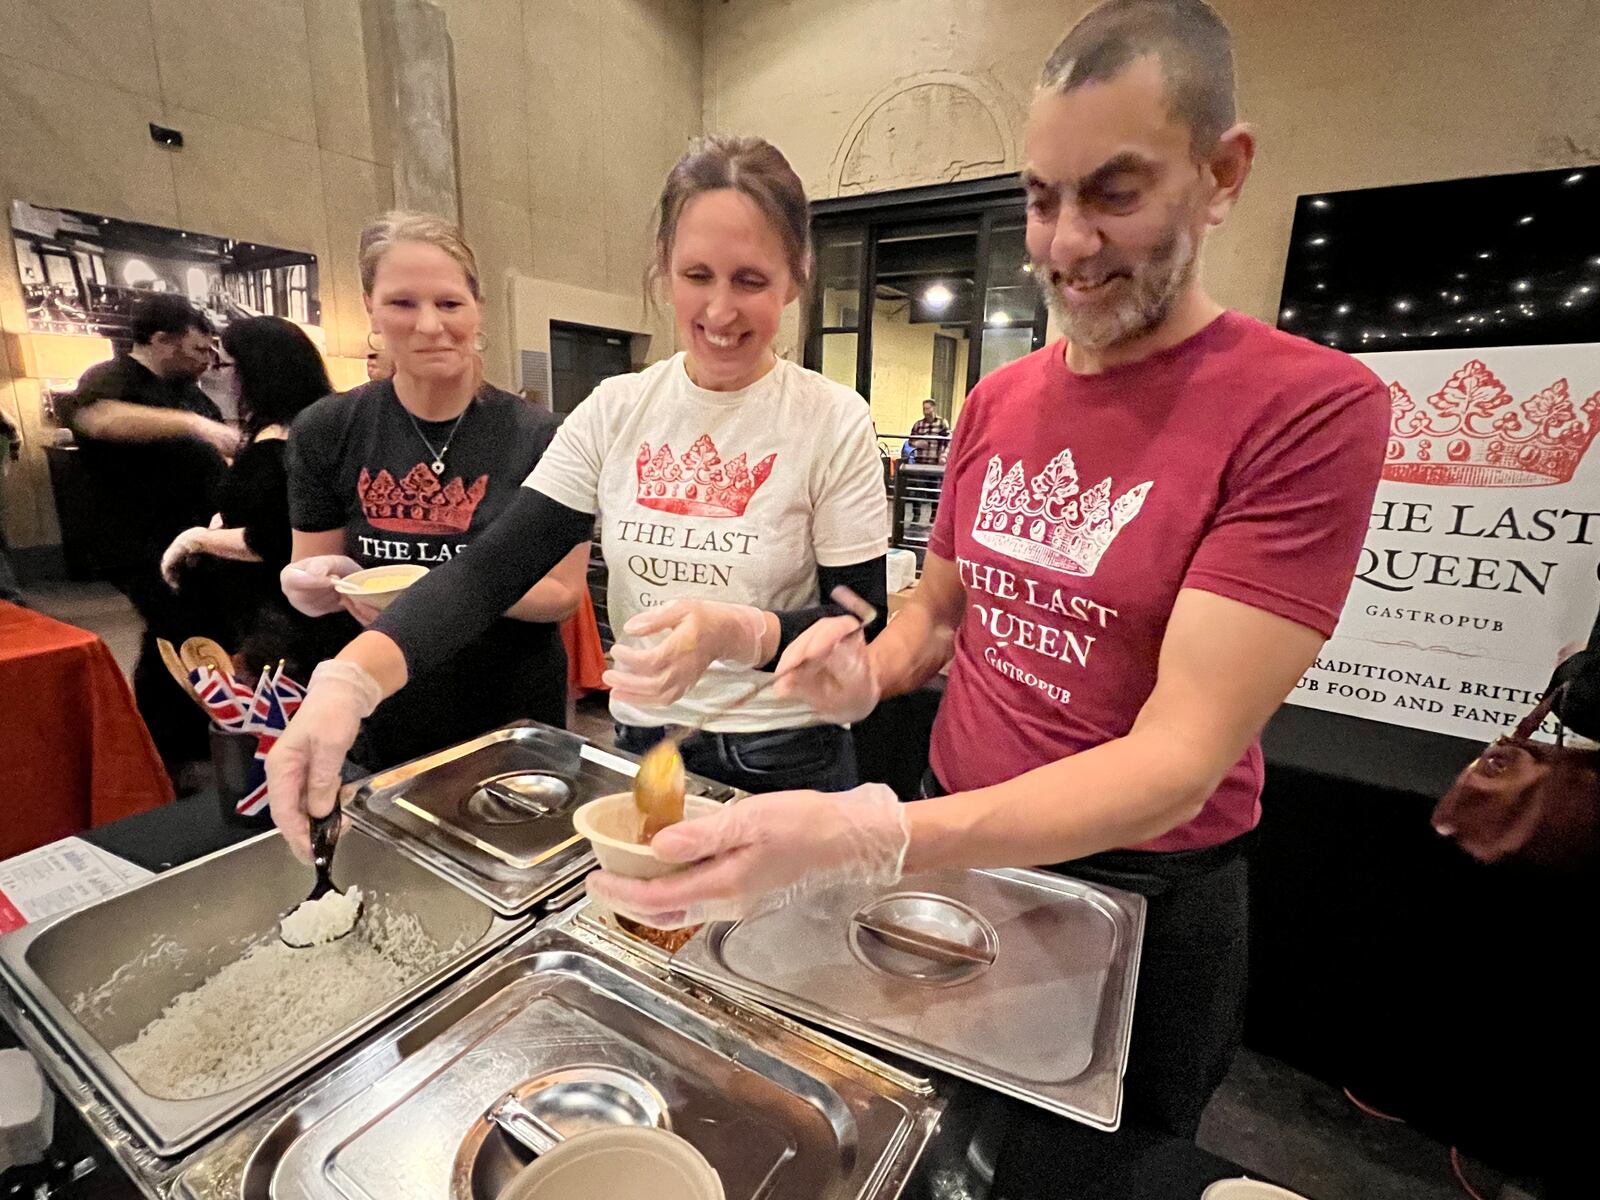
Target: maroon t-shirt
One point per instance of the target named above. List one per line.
(1242, 462)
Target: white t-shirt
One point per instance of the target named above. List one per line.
(733, 496)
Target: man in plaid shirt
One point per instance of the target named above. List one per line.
(931, 451)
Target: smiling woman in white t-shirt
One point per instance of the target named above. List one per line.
(735, 491)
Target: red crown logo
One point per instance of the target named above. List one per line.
(698, 484)
(1474, 434)
(419, 503)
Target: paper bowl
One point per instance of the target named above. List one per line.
(378, 586)
(611, 824)
(1247, 1189)
(622, 1163)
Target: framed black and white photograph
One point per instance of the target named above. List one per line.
(82, 273)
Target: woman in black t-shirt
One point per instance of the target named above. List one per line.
(230, 570)
(410, 470)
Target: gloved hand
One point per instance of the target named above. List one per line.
(829, 668)
(190, 541)
(770, 850)
(699, 633)
(308, 584)
(303, 765)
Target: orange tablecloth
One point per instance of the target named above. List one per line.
(73, 751)
(586, 658)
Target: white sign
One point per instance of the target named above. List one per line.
(60, 877)
(1479, 572)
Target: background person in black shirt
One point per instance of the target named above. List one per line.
(411, 470)
(230, 568)
(153, 450)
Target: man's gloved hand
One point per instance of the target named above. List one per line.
(765, 850)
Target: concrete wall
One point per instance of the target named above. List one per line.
(569, 114)
(864, 95)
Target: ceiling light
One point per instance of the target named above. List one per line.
(1342, 309)
(1000, 320)
(1585, 289)
(1566, 304)
(1319, 241)
(1402, 305)
(1520, 285)
(938, 296)
(1319, 202)
(1322, 287)
(1528, 220)
(1461, 275)
(1574, 177)
(1286, 315)
(1483, 254)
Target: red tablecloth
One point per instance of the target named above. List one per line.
(586, 657)
(73, 751)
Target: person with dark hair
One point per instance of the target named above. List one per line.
(1146, 532)
(230, 568)
(153, 448)
(735, 490)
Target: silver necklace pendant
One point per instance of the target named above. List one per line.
(438, 466)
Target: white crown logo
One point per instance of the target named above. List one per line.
(1047, 521)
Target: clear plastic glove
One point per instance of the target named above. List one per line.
(189, 542)
(766, 850)
(699, 633)
(828, 667)
(308, 584)
(303, 765)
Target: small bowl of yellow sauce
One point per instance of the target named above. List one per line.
(378, 586)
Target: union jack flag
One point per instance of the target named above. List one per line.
(263, 710)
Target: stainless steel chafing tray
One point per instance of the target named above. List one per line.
(168, 934)
(1022, 981)
(586, 1036)
(494, 815)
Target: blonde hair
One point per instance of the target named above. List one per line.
(386, 232)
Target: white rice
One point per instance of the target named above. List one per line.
(317, 921)
(261, 1010)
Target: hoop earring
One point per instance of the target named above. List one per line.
(480, 343)
(375, 347)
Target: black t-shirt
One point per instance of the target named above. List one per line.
(243, 602)
(149, 492)
(255, 497)
(357, 463)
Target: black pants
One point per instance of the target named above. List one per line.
(1188, 1015)
(176, 724)
(814, 756)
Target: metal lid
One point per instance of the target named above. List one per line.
(1022, 981)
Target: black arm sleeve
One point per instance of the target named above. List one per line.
(869, 580)
(444, 611)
